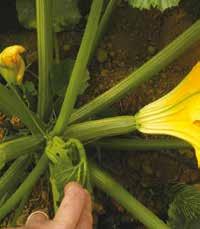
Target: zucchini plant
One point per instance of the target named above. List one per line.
(60, 144)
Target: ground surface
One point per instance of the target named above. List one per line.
(133, 37)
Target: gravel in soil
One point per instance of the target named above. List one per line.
(134, 37)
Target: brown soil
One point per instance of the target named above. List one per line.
(134, 36)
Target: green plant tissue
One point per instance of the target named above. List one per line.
(65, 14)
(184, 210)
(60, 77)
(148, 4)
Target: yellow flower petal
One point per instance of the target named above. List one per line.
(12, 65)
(177, 113)
(188, 86)
(20, 73)
(197, 152)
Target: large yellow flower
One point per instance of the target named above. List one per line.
(177, 113)
(12, 65)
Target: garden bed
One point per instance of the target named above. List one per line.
(133, 37)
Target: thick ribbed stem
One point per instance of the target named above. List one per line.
(95, 129)
(79, 67)
(12, 149)
(45, 54)
(142, 74)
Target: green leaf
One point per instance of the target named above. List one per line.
(29, 88)
(65, 14)
(184, 210)
(60, 76)
(148, 4)
(68, 163)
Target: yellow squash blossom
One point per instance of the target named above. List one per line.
(177, 113)
(12, 65)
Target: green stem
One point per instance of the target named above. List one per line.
(23, 145)
(11, 103)
(20, 209)
(91, 130)
(79, 67)
(149, 69)
(103, 24)
(28, 184)
(129, 144)
(106, 183)
(12, 177)
(45, 54)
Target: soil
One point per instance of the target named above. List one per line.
(133, 37)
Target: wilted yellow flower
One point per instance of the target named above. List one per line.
(177, 113)
(12, 65)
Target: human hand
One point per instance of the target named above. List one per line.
(75, 212)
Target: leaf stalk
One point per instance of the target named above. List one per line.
(142, 74)
(45, 54)
(107, 184)
(132, 144)
(95, 129)
(79, 67)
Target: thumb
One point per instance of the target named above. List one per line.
(36, 218)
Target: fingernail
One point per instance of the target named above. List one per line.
(71, 186)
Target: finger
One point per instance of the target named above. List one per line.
(86, 219)
(88, 202)
(36, 218)
(13, 228)
(71, 207)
